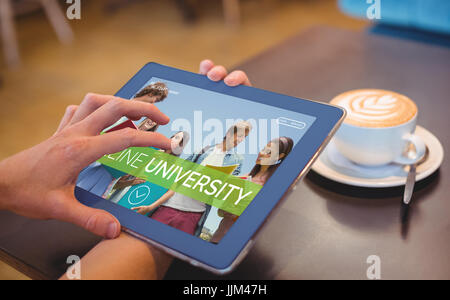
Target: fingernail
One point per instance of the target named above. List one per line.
(213, 76)
(230, 81)
(203, 70)
(233, 76)
(112, 230)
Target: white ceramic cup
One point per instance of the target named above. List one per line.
(375, 146)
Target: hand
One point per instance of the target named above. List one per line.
(40, 182)
(217, 73)
(138, 181)
(125, 182)
(122, 181)
(143, 210)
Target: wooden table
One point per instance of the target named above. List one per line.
(324, 230)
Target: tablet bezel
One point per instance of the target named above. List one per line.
(220, 257)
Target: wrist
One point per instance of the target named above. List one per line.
(4, 187)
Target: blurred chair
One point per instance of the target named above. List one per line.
(420, 20)
(8, 9)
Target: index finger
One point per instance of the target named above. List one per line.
(90, 103)
(116, 108)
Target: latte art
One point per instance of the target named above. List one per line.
(376, 108)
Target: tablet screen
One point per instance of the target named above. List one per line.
(224, 149)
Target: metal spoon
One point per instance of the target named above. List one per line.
(409, 186)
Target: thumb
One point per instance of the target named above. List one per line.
(94, 220)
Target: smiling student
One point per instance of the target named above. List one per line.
(268, 160)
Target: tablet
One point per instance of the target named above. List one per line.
(235, 153)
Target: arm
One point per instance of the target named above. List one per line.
(124, 258)
(146, 209)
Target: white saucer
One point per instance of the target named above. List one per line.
(332, 165)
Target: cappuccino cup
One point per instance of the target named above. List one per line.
(379, 128)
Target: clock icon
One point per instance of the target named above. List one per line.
(139, 195)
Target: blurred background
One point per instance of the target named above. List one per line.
(114, 39)
(43, 70)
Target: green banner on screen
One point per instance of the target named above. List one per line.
(213, 187)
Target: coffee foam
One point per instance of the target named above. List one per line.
(376, 108)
